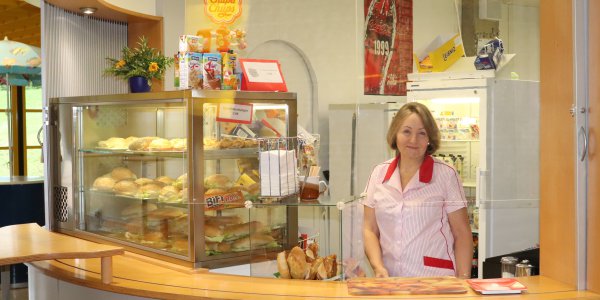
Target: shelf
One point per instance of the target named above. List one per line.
(293, 200)
(104, 152)
(231, 153)
(182, 204)
(469, 184)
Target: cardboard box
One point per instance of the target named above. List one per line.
(442, 57)
(190, 70)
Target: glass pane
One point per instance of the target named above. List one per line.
(35, 167)
(4, 96)
(4, 163)
(34, 122)
(33, 97)
(4, 132)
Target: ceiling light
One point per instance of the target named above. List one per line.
(87, 10)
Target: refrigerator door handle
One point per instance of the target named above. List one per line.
(583, 153)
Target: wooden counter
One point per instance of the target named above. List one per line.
(141, 276)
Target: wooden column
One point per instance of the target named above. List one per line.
(558, 254)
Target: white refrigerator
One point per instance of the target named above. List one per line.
(494, 126)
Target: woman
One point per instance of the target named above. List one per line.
(415, 217)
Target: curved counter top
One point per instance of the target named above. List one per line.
(141, 276)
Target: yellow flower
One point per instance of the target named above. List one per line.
(153, 67)
(120, 64)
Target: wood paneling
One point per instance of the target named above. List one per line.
(593, 203)
(558, 256)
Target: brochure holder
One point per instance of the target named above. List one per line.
(262, 75)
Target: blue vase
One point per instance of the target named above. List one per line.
(138, 84)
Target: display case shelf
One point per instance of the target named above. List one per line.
(121, 152)
(215, 154)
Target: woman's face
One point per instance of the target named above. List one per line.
(412, 138)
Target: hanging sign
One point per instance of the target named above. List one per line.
(388, 46)
(223, 11)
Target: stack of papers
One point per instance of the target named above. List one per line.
(497, 286)
(278, 173)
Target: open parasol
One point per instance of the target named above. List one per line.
(19, 63)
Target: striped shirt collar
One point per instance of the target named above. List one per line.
(425, 171)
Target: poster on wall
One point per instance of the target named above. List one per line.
(388, 46)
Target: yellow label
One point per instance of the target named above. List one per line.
(245, 180)
(223, 11)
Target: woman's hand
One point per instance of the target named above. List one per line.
(381, 272)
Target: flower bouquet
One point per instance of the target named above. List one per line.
(139, 66)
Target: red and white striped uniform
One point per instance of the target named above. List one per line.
(414, 232)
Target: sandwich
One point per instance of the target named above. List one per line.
(154, 239)
(164, 213)
(179, 144)
(222, 220)
(214, 248)
(180, 245)
(166, 180)
(217, 181)
(169, 194)
(104, 184)
(149, 191)
(233, 232)
(254, 241)
(179, 225)
(122, 173)
(181, 181)
(136, 210)
(126, 187)
(213, 233)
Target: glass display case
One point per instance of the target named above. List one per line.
(167, 174)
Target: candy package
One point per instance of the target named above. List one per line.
(489, 56)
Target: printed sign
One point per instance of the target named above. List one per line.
(223, 11)
(388, 46)
(234, 113)
(223, 201)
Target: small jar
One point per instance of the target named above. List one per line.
(508, 266)
(523, 269)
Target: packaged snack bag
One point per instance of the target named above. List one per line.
(211, 71)
(190, 71)
(190, 43)
(230, 80)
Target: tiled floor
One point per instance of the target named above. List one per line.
(17, 294)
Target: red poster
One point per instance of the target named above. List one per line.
(388, 46)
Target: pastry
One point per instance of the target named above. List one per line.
(160, 144)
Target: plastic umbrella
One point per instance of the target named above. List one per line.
(19, 63)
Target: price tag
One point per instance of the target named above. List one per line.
(234, 113)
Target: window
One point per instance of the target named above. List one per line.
(33, 123)
(4, 131)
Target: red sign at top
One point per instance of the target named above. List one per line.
(223, 11)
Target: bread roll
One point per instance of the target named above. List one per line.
(122, 173)
(160, 144)
(315, 267)
(233, 232)
(212, 231)
(179, 225)
(217, 181)
(211, 192)
(255, 241)
(126, 187)
(104, 184)
(282, 266)
(165, 179)
(299, 268)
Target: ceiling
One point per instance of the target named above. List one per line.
(20, 21)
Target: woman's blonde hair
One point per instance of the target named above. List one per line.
(428, 121)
